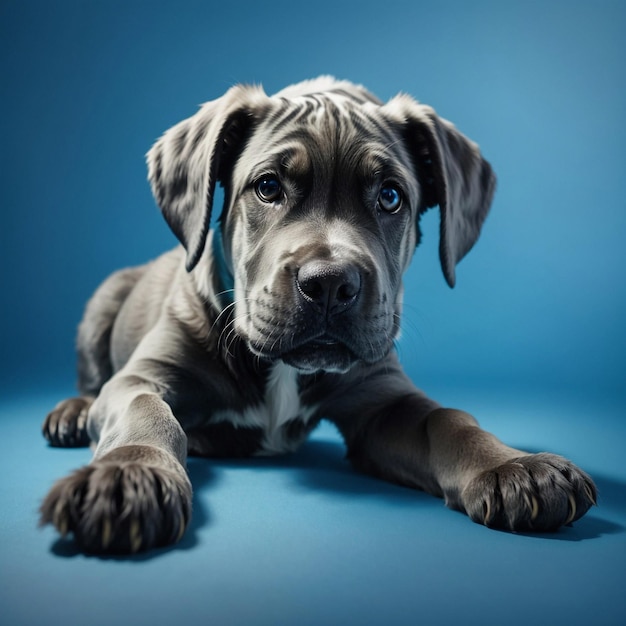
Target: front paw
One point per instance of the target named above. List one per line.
(66, 425)
(538, 492)
(132, 499)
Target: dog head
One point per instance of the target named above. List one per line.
(324, 186)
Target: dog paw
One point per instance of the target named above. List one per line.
(539, 492)
(121, 503)
(66, 425)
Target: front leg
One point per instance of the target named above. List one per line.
(445, 452)
(135, 494)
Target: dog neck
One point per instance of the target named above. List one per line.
(226, 281)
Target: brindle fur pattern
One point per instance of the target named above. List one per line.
(239, 341)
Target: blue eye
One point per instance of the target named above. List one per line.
(268, 189)
(389, 198)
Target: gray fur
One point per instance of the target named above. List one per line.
(179, 360)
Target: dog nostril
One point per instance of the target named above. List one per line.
(347, 291)
(312, 289)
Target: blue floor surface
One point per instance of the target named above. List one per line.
(304, 540)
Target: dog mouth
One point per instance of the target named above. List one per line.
(332, 352)
(325, 341)
(323, 353)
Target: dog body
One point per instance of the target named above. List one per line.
(242, 339)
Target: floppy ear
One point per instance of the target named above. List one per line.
(186, 162)
(453, 174)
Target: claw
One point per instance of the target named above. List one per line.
(59, 518)
(135, 536)
(62, 525)
(181, 532)
(487, 513)
(572, 506)
(107, 535)
(534, 509)
(590, 495)
(81, 420)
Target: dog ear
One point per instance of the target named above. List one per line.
(187, 161)
(453, 174)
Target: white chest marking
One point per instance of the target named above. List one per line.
(281, 403)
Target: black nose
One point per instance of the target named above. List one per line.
(330, 286)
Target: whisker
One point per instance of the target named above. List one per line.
(225, 311)
(229, 332)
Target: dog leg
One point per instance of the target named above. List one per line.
(446, 453)
(135, 494)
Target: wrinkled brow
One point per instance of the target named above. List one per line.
(380, 160)
(292, 159)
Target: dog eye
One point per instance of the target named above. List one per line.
(268, 189)
(389, 198)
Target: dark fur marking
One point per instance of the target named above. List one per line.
(360, 99)
(178, 186)
(181, 141)
(296, 429)
(200, 134)
(225, 440)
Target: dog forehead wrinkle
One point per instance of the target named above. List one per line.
(296, 162)
(292, 160)
(323, 132)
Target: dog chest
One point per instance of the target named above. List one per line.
(276, 425)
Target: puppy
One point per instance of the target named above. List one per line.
(240, 340)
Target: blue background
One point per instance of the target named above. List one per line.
(532, 339)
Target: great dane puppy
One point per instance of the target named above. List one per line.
(239, 341)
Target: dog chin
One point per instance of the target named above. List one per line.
(336, 358)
